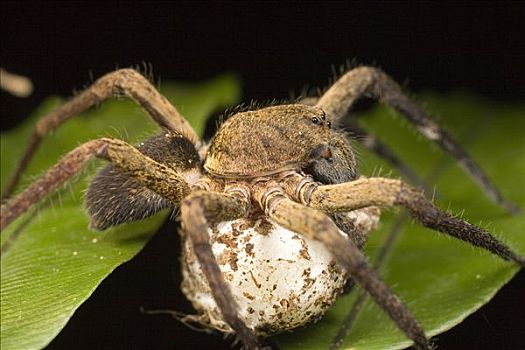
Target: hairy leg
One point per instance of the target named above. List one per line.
(348, 322)
(115, 197)
(151, 174)
(372, 82)
(123, 81)
(385, 192)
(196, 211)
(314, 224)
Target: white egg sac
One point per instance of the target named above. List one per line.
(280, 280)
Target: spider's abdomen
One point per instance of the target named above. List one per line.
(280, 280)
(268, 141)
(114, 197)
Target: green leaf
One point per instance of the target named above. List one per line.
(55, 263)
(441, 280)
(51, 262)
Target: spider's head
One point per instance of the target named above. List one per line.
(270, 140)
(339, 167)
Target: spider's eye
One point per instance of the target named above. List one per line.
(316, 120)
(329, 124)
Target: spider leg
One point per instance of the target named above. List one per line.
(369, 81)
(151, 174)
(386, 192)
(314, 224)
(196, 211)
(123, 81)
(386, 247)
(115, 197)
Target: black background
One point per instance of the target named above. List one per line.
(275, 48)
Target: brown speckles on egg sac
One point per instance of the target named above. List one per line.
(263, 226)
(294, 299)
(232, 260)
(323, 301)
(304, 250)
(308, 281)
(332, 267)
(227, 240)
(284, 303)
(243, 226)
(249, 249)
(236, 231)
(258, 285)
(248, 295)
(250, 310)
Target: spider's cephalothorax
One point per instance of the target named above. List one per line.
(269, 141)
(274, 215)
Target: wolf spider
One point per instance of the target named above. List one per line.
(284, 163)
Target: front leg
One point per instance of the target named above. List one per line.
(384, 192)
(372, 82)
(196, 211)
(123, 81)
(156, 176)
(114, 197)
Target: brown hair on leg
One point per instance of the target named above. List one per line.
(115, 197)
(155, 176)
(196, 211)
(390, 192)
(372, 82)
(126, 81)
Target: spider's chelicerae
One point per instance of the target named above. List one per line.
(274, 213)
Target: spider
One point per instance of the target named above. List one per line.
(285, 171)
